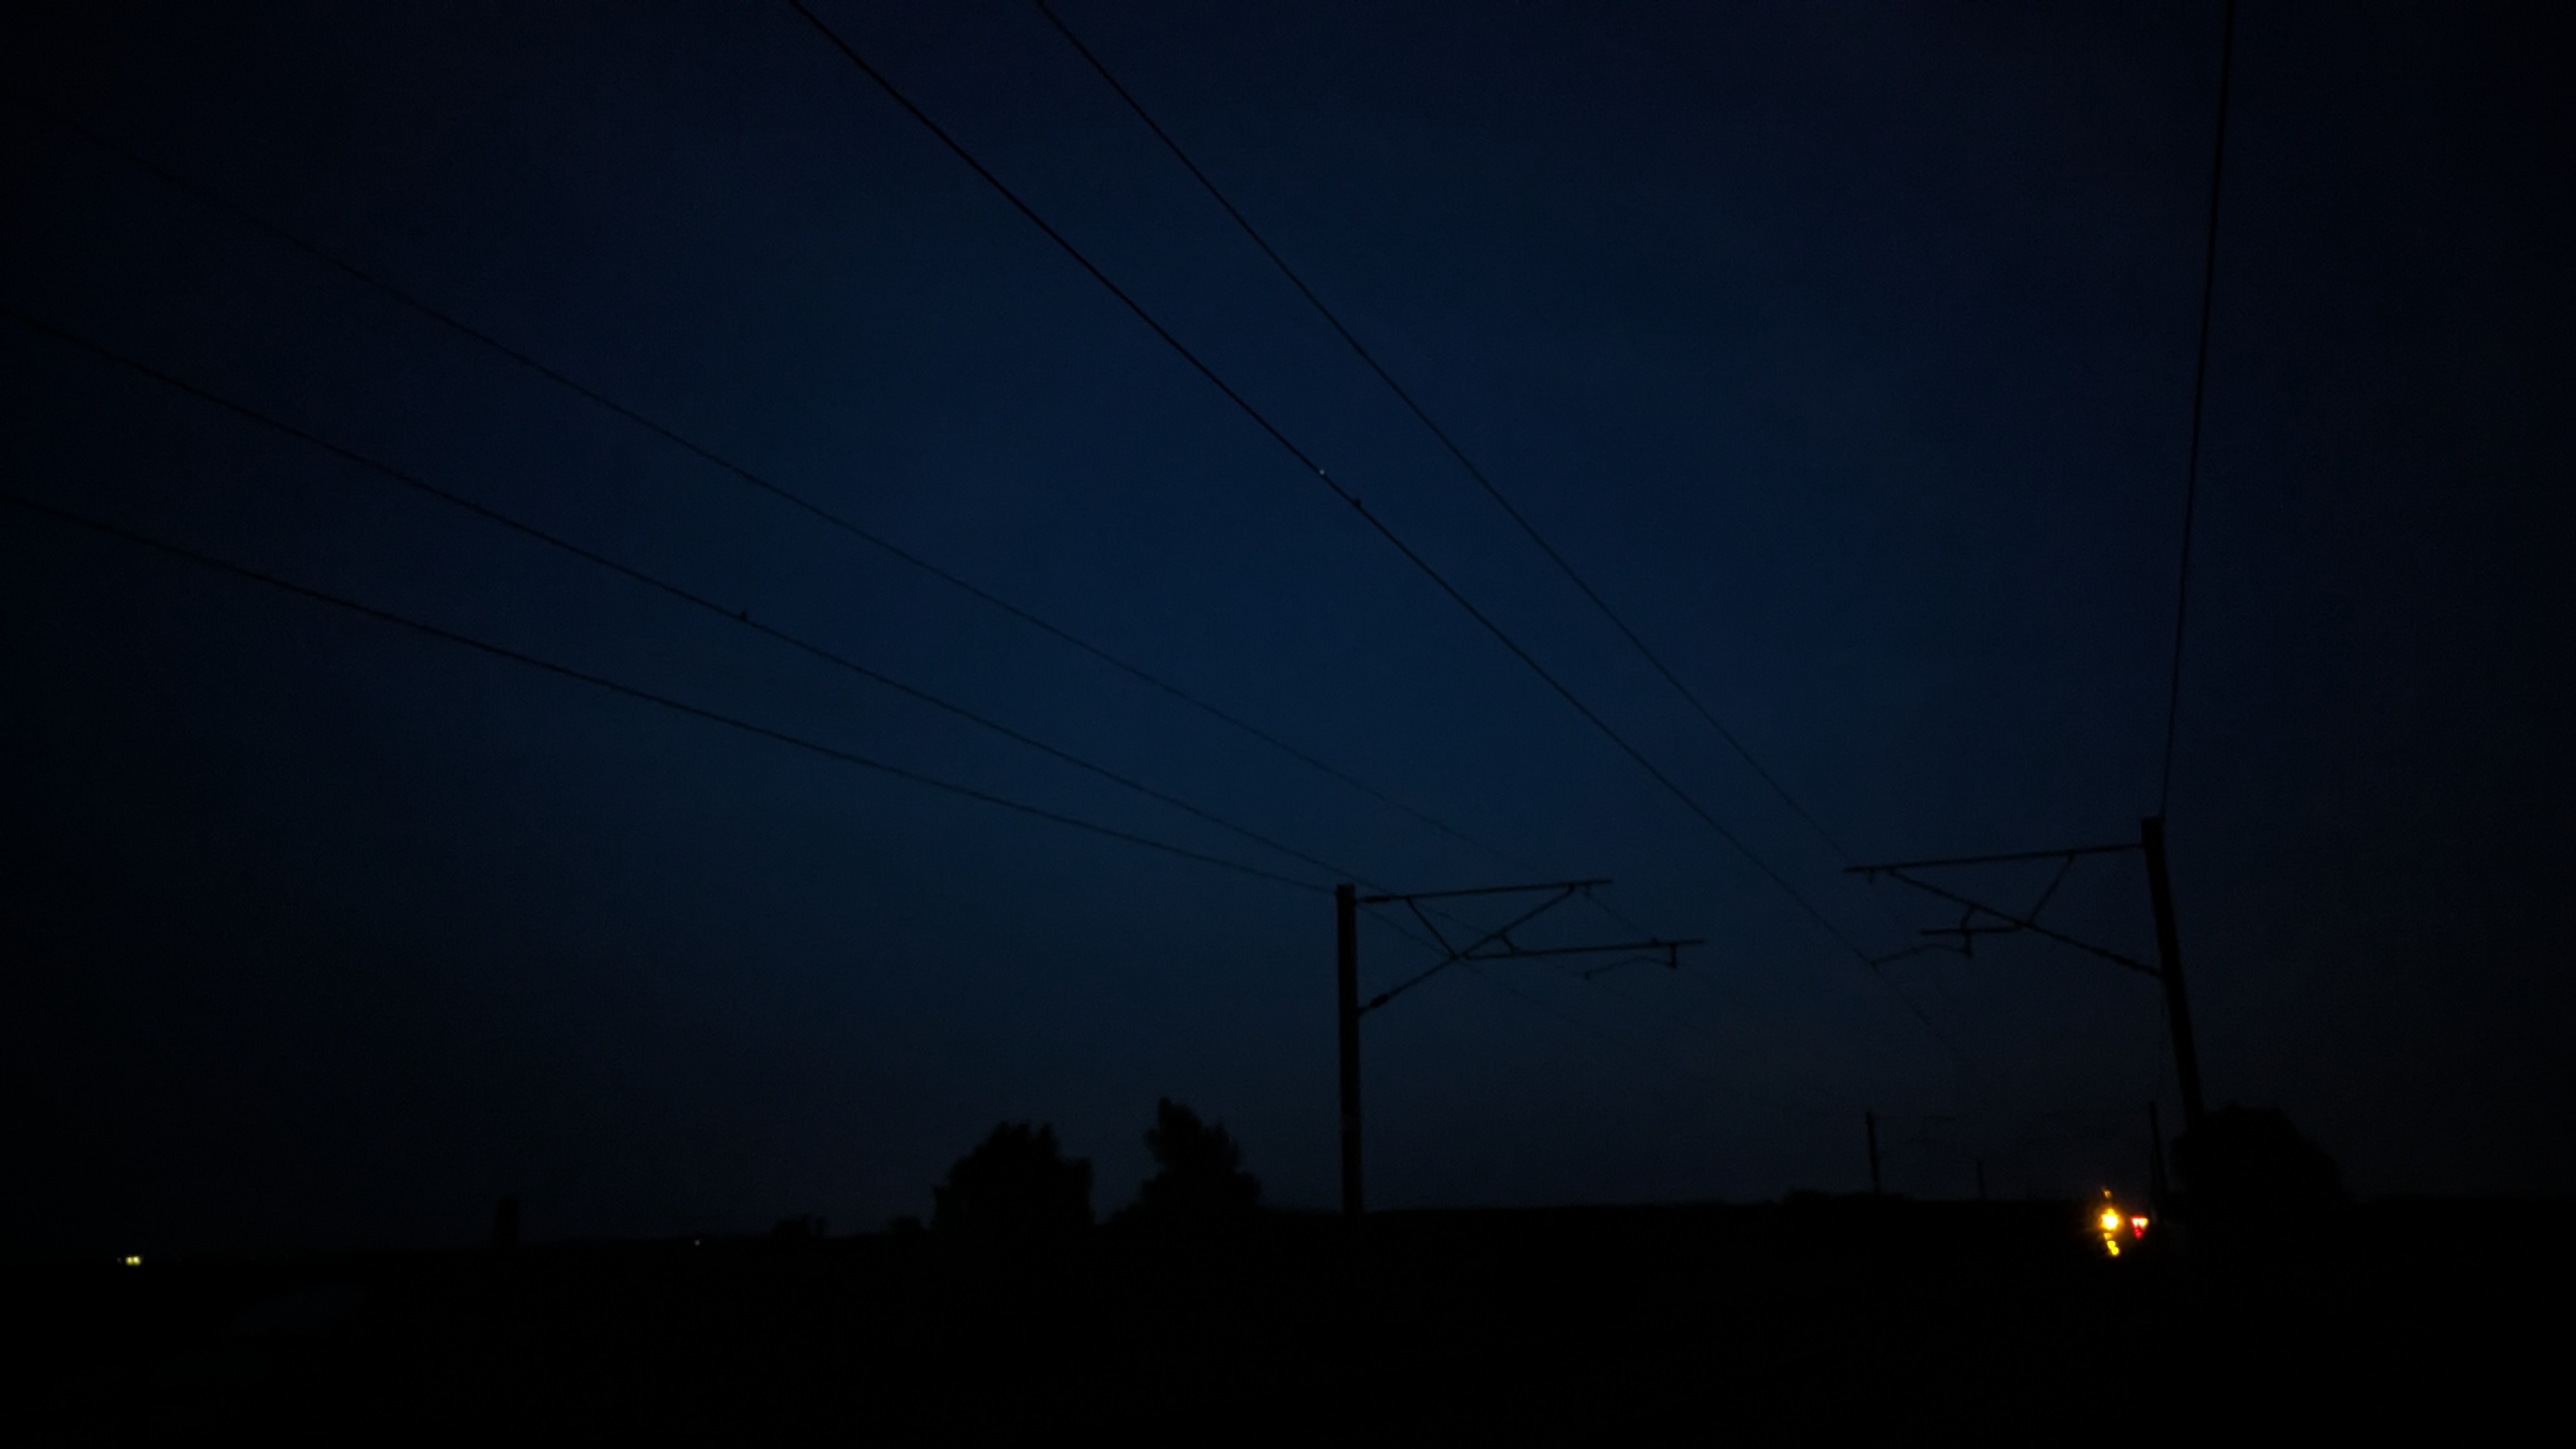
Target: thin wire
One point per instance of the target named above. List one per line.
(1423, 416)
(757, 480)
(1407, 984)
(830, 752)
(2054, 882)
(739, 617)
(2199, 392)
(1397, 925)
(1306, 461)
(1455, 450)
(1450, 955)
(1615, 914)
(1627, 1047)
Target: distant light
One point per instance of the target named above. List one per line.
(2138, 1226)
(133, 1260)
(2113, 1218)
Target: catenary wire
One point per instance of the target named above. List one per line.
(748, 475)
(738, 617)
(1446, 441)
(1398, 926)
(1625, 1048)
(760, 481)
(1454, 449)
(2199, 393)
(449, 320)
(1306, 461)
(831, 752)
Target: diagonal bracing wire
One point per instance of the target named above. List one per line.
(1307, 462)
(755, 479)
(1423, 416)
(501, 651)
(1441, 948)
(737, 617)
(1625, 1049)
(1456, 451)
(1454, 955)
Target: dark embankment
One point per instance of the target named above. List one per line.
(1812, 1317)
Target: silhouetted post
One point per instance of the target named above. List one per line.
(1346, 986)
(505, 1225)
(1869, 1121)
(1981, 1179)
(2151, 837)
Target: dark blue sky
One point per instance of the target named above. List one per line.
(1846, 350)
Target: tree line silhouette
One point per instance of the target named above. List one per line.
(2253, 1188)
(1017, 1184)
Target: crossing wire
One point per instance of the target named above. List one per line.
(1625, 1048)
(502, 651)
(1469, 465)
(1421, 564)
(282, 235)
(738, 617)
(1307, 461)
(755, 479)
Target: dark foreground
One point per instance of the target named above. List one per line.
(1815, 1320)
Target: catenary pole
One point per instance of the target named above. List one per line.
(1346, 984)
(2151, 839)
(1485, 948)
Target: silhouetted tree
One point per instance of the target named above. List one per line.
(1202, 1184)
(1016, 1184)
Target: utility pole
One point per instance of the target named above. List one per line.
(1869, 1121)
(2151, 839)
(1346, 983)
(1976, 918)
(1493, 945)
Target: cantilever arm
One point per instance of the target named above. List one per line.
(2018, 922)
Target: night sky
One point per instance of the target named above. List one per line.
(1845, 350)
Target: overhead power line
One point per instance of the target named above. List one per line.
(501, 651)
(1421, 564)
(1402, 928)
(1307, 461)
(1626, 1047)
(1455, 451)
(758, 480)
(2199, 393)
(740, 618)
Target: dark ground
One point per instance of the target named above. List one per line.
(1811, 1319)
